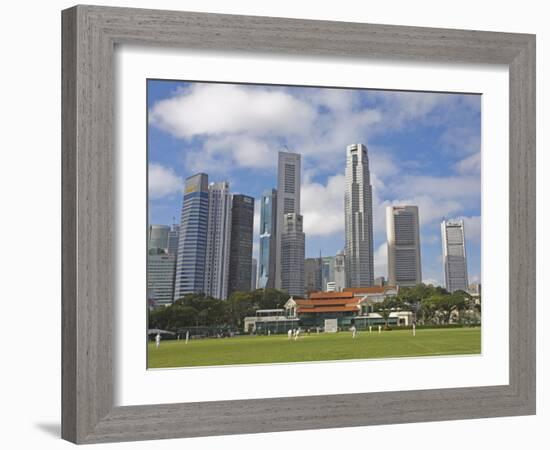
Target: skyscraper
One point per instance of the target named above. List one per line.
(358, 218)
(218, 240)
(403, 234)
(240, 259)
(313, 275)
(254, 275)
(293, 254)
(173, 239)
(454, 255)
(268, 239)
(191, 257)
(158, 237)
(160, 277)
(288, 203)
(340, 278)
(327, 271)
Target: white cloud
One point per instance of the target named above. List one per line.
(244, 151)
(323, 206)
(210, 109)
(452, 187)
(472, 228)
(462, 140)
(163, 181)
(471, 165)
(381, 162)
(381, 261)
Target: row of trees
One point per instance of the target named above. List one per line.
(199, 310)
(432, 305)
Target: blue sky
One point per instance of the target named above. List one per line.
(424, 149)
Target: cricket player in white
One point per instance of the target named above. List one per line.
(157, 340)
(289, 334)
(297, 334)
(353, 331)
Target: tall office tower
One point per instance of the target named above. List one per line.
(218, 240)
(191, 259)
(340, 278)
(327, 271)
(173, 239)
(403, 234)
(160, 277)
(358, 218)
(454, 255)
(254, 275)
(293, 254)
(268, 239)
(240, 258)
(313, 275)
(158, 237)
(288, 202)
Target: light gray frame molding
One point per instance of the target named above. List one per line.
(90, 34)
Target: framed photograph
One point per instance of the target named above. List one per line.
(258, 210)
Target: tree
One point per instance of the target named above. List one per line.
(445, 304)
(200, 309)
(385, 308)
(241, 305)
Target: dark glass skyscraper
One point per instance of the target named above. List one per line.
(240, 259)
(268, 239)
(191, 255)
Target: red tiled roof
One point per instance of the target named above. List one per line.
(330, 295)
(322, 309)
(327, 301)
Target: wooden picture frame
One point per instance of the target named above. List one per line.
(90, 34)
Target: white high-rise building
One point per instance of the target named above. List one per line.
(403, 233)
(454, 255)
(358, 218)
(339, 272)
(218, 240)
(288, 203)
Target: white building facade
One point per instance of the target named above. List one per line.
(218, 240)
(358, 218)
(340, 272)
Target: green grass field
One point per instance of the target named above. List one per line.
(322, 347)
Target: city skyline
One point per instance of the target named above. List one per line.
(411, 161)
